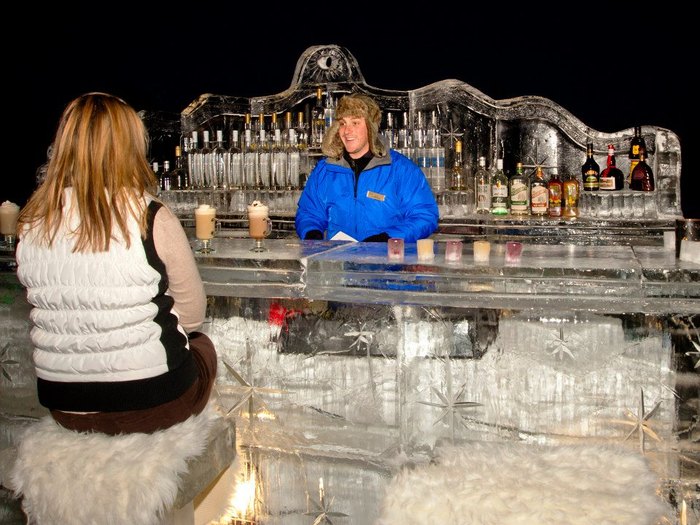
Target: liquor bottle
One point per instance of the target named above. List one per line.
(328, 110)
(590, 170)
(420, 151)
(637, 145)
(457, 171)
(570, 196)
(164, 177)
(263, 176)
(318, 122)
(218, 163)
(405, 137)
(250, 160)
(642, 175)
(278, 156)
(435, 154)
(193, 159)
(499, 190)
(539, 193)
(155, 166)
(390, 131)
(611, 178)
(555, 190)
(303, 148)
(179, 179)
(235, 161)
(519, 190)
(206, 173)
(482, 184)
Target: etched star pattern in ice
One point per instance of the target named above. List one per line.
(560, 346)
(534, 162)
(450, 404)
(640, 422)
(363, 338)
(451, 133)
(322, 512)
(249, 393)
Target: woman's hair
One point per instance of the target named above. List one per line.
(355, 105)
(100, 152)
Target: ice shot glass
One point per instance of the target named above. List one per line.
(513, 251)
(453, 251)
(394, 247)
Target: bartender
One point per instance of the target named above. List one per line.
(362, 189)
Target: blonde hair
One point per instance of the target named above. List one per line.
(355, 105)
(100, 151)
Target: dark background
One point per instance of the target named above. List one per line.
(613, 65)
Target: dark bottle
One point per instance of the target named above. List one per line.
(590, 170)
(611, 178)
(637, 146)
(642, 175)
(180, 178)
(556, 191)
(164, 177)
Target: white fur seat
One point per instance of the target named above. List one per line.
(83, 478)
(518, 484)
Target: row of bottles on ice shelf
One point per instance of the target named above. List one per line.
(492, 191)
(262, 153)
(422, 143)
(261, 156)
(640, 177)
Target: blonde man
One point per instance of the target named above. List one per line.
(362, 188)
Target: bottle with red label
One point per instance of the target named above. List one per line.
(611, 178)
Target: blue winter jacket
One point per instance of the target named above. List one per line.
(392, 195)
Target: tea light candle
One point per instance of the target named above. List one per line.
(394, 248)
(453, 251)
(482, 249)
(425, 249)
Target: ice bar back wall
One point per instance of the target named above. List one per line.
(269, 144)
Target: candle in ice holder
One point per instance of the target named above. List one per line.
(482, 250)
(453, 251)
(394, 247)
(425, 249)
(513, 251)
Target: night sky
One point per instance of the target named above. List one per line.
(611, 64)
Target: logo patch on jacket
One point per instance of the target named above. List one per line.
(375, 196)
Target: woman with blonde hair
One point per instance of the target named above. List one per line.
(117, 297)
(362, 188)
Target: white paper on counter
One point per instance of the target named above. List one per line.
(342, 236)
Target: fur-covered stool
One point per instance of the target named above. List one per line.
(517, 484)
(85, 478)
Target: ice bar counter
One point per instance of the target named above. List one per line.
(338, 366)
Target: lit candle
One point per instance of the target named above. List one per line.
(321, 492)
(425, 249)
(481, 251)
